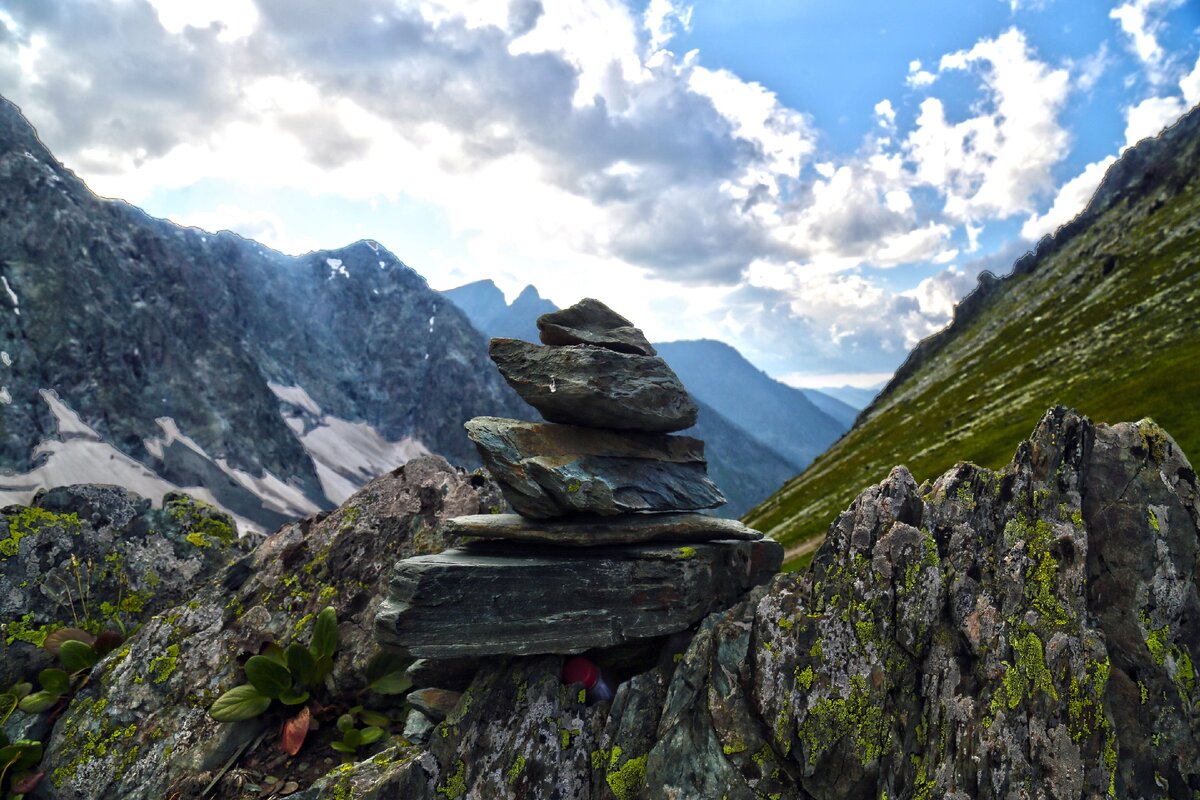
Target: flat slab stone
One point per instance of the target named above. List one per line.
(547, 470)
(494, 598)
(591, 322)
(593, 532)
(596, 387)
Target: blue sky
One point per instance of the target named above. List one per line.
(816, 183)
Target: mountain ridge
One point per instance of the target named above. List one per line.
(1101, 317)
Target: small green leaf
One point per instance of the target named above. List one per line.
(8, 702)
(290, 697)
(372, 734)
(38, 702)
(342, 748)
(324, 667)
(275, 653)
(325, 634)
(30, 752)
(345, 722)
(375, 718)
(239, 703)
(385, 662)
(77, 656)
(353, 738)
(269, 677)
(392, 683)
(301, 664)
(55, 681)
(20, 690)
(54, 640)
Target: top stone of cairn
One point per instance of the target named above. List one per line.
(591, 322)
(604, 374)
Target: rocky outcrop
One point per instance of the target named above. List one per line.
(591, 322)
(626, 529)
(100, 558)
(140, 727)
(1027, 632)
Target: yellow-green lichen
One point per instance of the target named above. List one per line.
(625, 780)
(32, 521)
(1028, 675)
(162, 666)
(514, 771)
(456, 784)
(687, 552)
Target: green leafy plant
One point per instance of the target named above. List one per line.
(17, 759)
(288, 675)
(373, 728)
(291, 675)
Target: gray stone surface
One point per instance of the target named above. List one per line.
(148, 702)
(591, 322)
(591, 531)
(493, 598)
(596, 387)
(548, 470)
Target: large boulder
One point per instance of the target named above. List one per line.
(597, 531)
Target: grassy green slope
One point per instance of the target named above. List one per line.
(1104, 318)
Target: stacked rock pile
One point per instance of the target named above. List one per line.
(606, 546)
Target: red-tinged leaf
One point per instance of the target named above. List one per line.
(291, 737)
(106, 642)
(27, 783)
(54, 640)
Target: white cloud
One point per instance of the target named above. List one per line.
(834, 380)
(885, 115)
(994, 163)
(1141, 20)
(236, 18)
(664, 20)
(1150, 116)
(1071, 199)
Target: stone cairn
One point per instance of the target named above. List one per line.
(606, 546)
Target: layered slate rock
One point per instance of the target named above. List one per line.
(591, 322)
(586, 531)
(595, 386)
(526, 600)
(548, 470)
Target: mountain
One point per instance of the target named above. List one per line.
(781, 417)
(484, 304)
(757, 432)
(852, 396)
(842, 412)
(1104, 316)
(160, 357)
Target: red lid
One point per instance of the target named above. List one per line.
(580, 670)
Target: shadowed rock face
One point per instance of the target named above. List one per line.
(1027, 632)
(596, 387)
(590, 531)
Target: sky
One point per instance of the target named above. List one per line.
(815, 183)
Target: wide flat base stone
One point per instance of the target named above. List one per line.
(594, 531)
(494, 598)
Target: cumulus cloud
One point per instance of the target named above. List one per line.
(994, 163)
(564, 135)
(1151, 115)
(1142, 21)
